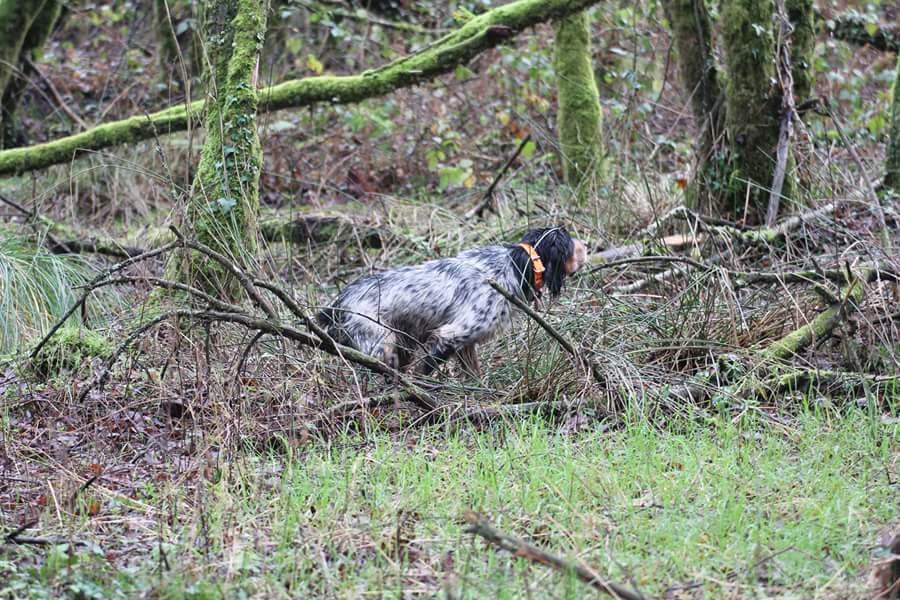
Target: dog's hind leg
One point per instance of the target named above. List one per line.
(450, 339)
(468, 359)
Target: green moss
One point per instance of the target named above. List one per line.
(68, 349)
(892, 160)
(24, 25)
(484, 31)
(579, 118)
(753, 107)
(803, 43)
(224, 201)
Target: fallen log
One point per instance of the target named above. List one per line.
(480, 33)
(321, 229)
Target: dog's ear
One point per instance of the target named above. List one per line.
(554, 246)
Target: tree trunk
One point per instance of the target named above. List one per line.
(579, 118)
(753, 108)
(803, 43)
(892, 160)
(487, 30)
(224, 202)
(24, 27)
(690, 23)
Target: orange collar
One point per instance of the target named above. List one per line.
(537, 265)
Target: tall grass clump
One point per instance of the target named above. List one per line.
(36, 288)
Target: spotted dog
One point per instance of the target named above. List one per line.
(446, 306)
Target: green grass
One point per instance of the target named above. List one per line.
(37, 287)
(750, 509)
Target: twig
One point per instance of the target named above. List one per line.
(487, 200)
(16, 537)
(56, 95)
(232, 268)
(789, 111)
(567, 345)
(480, 526)
(873, 195)
(105, 274)
(273, 327)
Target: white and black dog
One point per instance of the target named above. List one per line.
(446, 306)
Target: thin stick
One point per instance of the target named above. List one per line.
(480, 526)
(232, 268)
(105, 274)
(487, 199)
(873, 195)
(413, 391)
(789, 111)
(560, 338)
(57, 96)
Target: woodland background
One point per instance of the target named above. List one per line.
(710, 409)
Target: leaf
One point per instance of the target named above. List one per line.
(871, 29)
(314, 64)
(529, 149)
(469, 183)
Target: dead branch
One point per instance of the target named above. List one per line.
(822, 325)
(487, 201)
(480, 526)
(232, 268)
(788, 110)
(564, 342)
(320, 229)
(80, 302)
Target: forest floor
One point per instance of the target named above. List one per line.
(743, 508)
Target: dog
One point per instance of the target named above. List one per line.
(446, 307)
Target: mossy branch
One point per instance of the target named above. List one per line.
(480, 33)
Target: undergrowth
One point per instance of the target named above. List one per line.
(37, 287)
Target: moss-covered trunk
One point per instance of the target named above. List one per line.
(24, 27)
(579, 117)
(691, 27)
(224, 201)
(753, 105)
(803, 43)
(486, 30)
(892, 160)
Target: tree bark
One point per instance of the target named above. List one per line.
(753, 108)
(224, 201)
(579, 117)
(24, 27)
(892, 160)
(803, 42)
(478, 34)
(690, 23)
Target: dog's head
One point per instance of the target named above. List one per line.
(561, 254)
